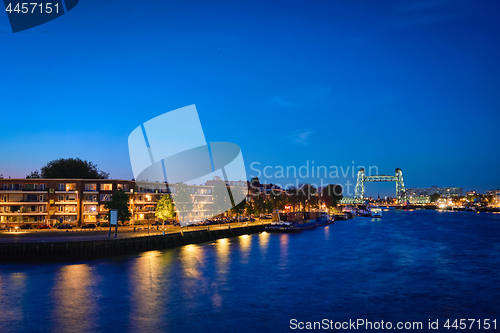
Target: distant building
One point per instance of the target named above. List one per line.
(445, 191)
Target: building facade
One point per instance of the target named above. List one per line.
(444, 191)
(82, 201)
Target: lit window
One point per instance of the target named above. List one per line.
(70, 187)
(106, 187)
(90, 187)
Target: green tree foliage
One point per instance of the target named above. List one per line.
(258, 205)
(182, 199)
(165, 208)
(238, 192)
(119, 201)
(249, 208)
(34, 175)
(331, 195)
(69, 168)
(435, 197)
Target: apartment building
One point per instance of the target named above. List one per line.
(82, 201)
(444, 191)
(48, 201)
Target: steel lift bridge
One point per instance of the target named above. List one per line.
(359, 194)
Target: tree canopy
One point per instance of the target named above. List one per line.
(120, 201)
(331, 195)
(165, 208)
(434, 197)
(69, 168)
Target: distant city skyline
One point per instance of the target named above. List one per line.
(390, 84)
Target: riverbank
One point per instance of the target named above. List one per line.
(51, 249)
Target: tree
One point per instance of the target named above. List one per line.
(221, 202)
(182, 199)
(331, 195)
(435, 197)
(69, 168)
(249, 208)
(119, 201)
(34, 175)
(258, 205)
(165, 208)
(239, 208)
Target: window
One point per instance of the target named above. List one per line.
(90, 209)
(106, 187)
(105, 197)
(125, 187)
(90, 187)
(70, 187)
(70, 197)
(41, 198)
(102, 208)
(43, 187)
(119, 186)
(60, 208)
(90, 198)
(60, 197)
(60, 187)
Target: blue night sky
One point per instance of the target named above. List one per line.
(408, 84)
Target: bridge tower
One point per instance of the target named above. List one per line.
(398, 178)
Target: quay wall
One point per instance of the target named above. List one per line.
(81, 250)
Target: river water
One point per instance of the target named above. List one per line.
(409, 266)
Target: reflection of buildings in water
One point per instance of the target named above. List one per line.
(245, 242)
(284, 238)
(147, 289)
(192, 257)
(222, 248)
(326, 230)
(264, 242)
(72, 297)
(12, 293)
(221, 278)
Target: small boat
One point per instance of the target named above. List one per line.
(296, 222)
(376, 212)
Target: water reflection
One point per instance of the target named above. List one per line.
(283, 251)
(222, 252)
(147, 285)
(12, 290)
(192, 257)
(74, 306)
(326, 230)
(264, 242)
(245, 242)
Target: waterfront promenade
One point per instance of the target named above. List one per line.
(78, 235)
(47, 245)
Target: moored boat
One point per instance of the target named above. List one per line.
(376, 212)
(298, 221)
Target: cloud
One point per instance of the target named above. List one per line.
(299, 137)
